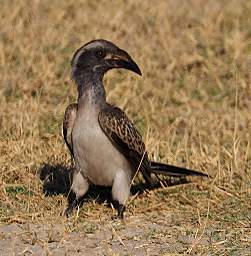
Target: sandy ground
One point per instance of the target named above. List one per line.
(135, 236)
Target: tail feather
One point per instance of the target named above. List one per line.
(171, 170)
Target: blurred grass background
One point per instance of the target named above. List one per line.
(192, 104)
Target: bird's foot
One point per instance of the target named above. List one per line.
(70, 208)
(120, 209)
(72, 203)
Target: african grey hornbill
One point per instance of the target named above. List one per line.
(106, 147)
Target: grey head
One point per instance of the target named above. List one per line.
(97, 57)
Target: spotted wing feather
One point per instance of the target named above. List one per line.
(69, 119)
(126, 138)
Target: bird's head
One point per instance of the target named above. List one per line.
(99, 56)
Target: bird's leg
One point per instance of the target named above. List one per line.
(79, 187)
(120, 191)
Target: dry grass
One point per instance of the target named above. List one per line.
(192, 106)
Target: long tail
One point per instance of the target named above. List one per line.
(170, 170)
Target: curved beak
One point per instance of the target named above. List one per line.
(122, 59)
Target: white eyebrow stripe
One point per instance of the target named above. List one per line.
(93, 45)
(83, 49)
(75, 60)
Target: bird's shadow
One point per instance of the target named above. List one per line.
(57, 180)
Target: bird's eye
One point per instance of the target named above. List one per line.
(100, 53)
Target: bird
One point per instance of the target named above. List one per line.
(106, 147)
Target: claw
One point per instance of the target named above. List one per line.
(72, 203)
(120, 208)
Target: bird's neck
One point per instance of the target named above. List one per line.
(90, 88)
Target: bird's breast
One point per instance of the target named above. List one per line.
(97, 157)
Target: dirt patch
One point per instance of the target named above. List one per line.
(140, 235)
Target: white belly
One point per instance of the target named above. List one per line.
(94, 153)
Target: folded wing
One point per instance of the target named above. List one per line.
(121, 131)
(68, 123)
